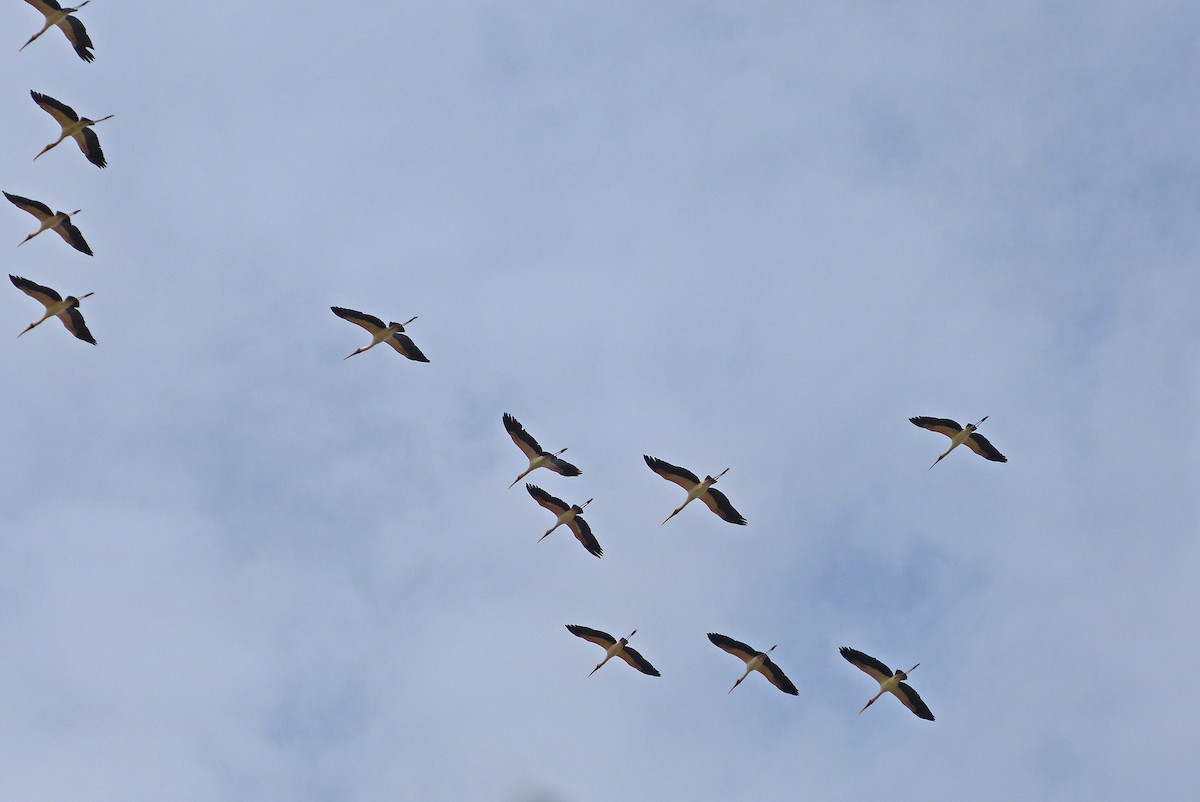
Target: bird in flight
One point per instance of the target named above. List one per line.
(755, 661)
(59, 221)
(536, 456)
(889, 682)
(569, 514)
(392, 333)
(958, 435)
(65, 309)
(76, 34)
(614, 648)
(74, 126)
(715, 499)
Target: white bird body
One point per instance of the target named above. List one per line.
(74, 126)
(71, 27)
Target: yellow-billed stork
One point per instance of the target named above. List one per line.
(392, 333)
(72, 125)
(958, 435)
(755, 661)
(536, 456)
(614, 648)
(715, 499)
(65, 309)
(569, 514)
(889, 682)
(59, 221)
(76, 34)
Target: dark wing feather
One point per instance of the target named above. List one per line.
(777, 678)
(524, 440)
(867, 663)
(563, 467)
(404, 345)
(583, 533)
(368, 322)
(73, 320)
(980, 445)
(940, 425)
(630, 655)
(50, 4)
(79, 38)
(672, 473)
(55, 108)
(553, 503)
(594, 635)
(34, 290)
(92, 150)
(718, 503)
(36, 208)
(735, 647)
(73, 236)
(913, 702)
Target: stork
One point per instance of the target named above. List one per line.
(715, 499)
(74, 126)
(57, 15)
(888, 682)
(391, 334)
(958, 435)
(537, 457)
(755, 661)
(614, 648)
(66, 310)
(59, 221)
(569, 514)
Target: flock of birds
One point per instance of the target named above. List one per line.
(393, 334)
(571, 515)
(79, 129)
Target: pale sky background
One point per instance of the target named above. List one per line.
(727, 234)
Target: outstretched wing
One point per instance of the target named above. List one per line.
(631, 656)
(61, 112)
(980, 445)
(43, 295)
(601, 639)
(913, 702)
(405, 346)
(583, 533)
(73, 319)
(368, 322)
(718, 503)
(561, 466)
(553, 503)
(777, 678)
(672, 473)
(738, 649)
(940, 425)
(865, 662)
(522, 438)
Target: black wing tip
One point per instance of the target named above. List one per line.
(571, 470)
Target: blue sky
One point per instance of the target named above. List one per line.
(235, 566)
